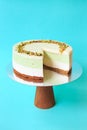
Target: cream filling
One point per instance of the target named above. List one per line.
(28, 70)
(59, 65)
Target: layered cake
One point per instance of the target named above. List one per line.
(30, 57)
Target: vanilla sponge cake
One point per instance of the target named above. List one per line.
(30, 57)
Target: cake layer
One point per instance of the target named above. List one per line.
(28, 77)
(28, 61)
(59, 65)
(27, 70)
(60, 71)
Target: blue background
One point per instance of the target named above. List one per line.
(63, 20)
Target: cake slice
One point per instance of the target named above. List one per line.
(30, 57)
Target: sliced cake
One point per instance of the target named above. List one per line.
(30, 57)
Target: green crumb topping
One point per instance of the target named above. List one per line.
(20, 47)
(62, 47)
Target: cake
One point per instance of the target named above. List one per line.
(30, 57)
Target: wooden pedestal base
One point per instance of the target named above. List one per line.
(44, 97)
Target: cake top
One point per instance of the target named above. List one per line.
(36, 47)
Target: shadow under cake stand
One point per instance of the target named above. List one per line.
(44, 97)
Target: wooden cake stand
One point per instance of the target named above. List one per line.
(44, 97)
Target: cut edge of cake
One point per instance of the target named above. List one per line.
(18, 48)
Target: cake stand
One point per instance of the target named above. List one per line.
(44, 97)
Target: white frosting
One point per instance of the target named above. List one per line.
(39, 47)
(27, 70)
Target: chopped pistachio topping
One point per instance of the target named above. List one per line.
(20, 47)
